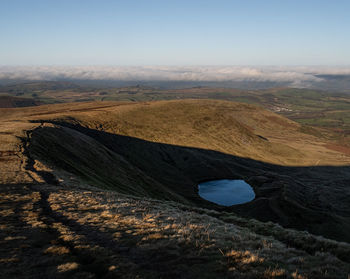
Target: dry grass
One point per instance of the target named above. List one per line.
(65, 231)
(58, 250)
(196, 123)
(226, 127)
(275, 273)
(150, 225)
(67, 267)
(100, 232)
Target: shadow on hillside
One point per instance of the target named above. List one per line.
(315, 198)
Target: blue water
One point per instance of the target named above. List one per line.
(226, 192)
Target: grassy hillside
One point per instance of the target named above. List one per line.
(164, 149)
(324, 109)
(65, 232)
(237, 129)
(105, 189)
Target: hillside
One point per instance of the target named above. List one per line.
(14, 102)
(319, 108)
(106, 188)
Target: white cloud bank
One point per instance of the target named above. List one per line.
(293, 76)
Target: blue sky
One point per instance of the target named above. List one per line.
(161, 32)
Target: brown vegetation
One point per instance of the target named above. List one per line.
(57, 222)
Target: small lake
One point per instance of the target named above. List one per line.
(226, 191)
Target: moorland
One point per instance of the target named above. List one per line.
(101, 183)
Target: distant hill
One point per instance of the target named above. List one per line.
(16, 102)
(39, 85)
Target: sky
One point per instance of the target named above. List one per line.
(174, 32)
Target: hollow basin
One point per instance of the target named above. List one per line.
(226, 191)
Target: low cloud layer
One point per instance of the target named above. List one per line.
(291, 76)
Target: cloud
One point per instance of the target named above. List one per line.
(293, 76)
